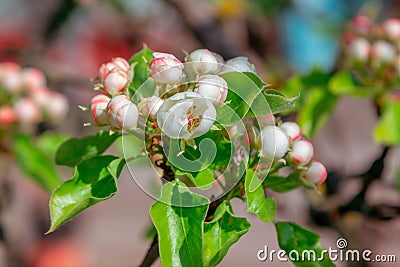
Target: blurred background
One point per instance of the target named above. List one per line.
(69, 39)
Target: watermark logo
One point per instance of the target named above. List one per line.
(338, 254)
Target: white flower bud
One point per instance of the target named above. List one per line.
(302, 152)
(33, 78)
(57, 107)
(165, 68)
(122, 113)
(360, 49)
(121, 62)
(238, 64)
(292, 129)
(186, 115)
(391, 27)
(10, 77)
(26, 111)
(212, 87)
(383, 52)
(98, 109)
(316, 173)
(203, 61)
(41, 96)
(149, 106)
(7, 116)
(115, 81)
(274, 142)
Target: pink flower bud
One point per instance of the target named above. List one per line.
(121, 62)
(33, 78)
(203, 61)
(41, 96)
(362, 25)
(316, 173)
(98, 109)
(360, 49)
(274, 142)
(26, 111)
(7, 116)
(383, 52)
(238, 64)
(292, 129)
(105, 68)
(391, 27)
(57, 107)
(149, 106)
(122, 113)
(302, 152)
(115, 81)
(212, 87)
(165, 68)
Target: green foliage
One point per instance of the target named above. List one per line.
(265, 208)
(95, 180)
(221, 233)
(294, 239)
(180, 229)
(141, 60)
(35, 163)
(283, 184)
(343, 83)
(387, 131)
(75, 150)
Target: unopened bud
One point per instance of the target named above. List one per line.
(360, 49)
(57, 107)
(383, 52)
(26, 111)
(302, 152)
(98, 109)
(7, 116)
(275, 142)
(33, 79)
(391, 27)
(238, 64)
(165, 68)
(316, 173)
(115, 81)
(292, 129)
(362, 25)
(212, 87)
(122, 113)
(121, 62)
(203, 61)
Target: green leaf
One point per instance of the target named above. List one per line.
(264, 208)
(180, 229)
(387, 131)
(277, 103)
(221, 233)
(282, 184)
(95, 180)
(316, 107)
(75, 150)
(34, 163)
(141, 60)
(294, 239)
(202, 179)
(341, 83)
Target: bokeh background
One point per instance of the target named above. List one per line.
(69, 39)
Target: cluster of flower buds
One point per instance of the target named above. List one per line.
(286, 142)
(25, 98)
(374, 48)
(187, 113)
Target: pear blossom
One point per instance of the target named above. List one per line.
(186, 115)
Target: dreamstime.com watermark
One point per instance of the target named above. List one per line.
(335, 254)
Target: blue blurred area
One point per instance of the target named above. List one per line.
(310, 30)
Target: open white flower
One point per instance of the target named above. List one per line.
(186, 115)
